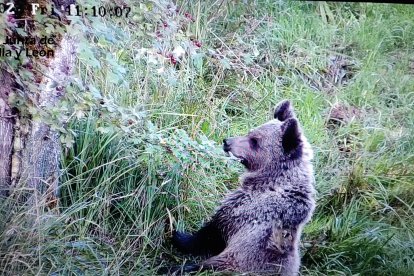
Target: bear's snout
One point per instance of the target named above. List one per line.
(226, 145)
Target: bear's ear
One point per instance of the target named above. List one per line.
(284, 111)
(291, 136)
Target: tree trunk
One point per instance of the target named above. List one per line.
(30, 150)
(6, 132)
(41, 148)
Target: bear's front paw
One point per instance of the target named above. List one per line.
(182, 241)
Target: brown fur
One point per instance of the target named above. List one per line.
(257, 228)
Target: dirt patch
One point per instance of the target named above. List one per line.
(339, 70)
(339, 115)
(338, 73)
(342, 114)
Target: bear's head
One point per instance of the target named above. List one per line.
(276, 142)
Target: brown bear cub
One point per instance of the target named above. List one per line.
(257, 228)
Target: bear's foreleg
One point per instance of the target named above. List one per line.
(206, 241)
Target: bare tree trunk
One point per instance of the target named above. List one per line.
(6, 132)
(39, 167)
(39, 148)
(30, 150)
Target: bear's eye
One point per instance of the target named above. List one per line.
(254, 143)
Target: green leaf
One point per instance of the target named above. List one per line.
(105, 130)
(198, 61)
(113, 77)
(225, 63)
(86, 54)
(21, 32)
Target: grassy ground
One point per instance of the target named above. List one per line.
(349, 71)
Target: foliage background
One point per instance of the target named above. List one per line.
(155, 93)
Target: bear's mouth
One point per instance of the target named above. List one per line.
(234, 157)
(244, 162)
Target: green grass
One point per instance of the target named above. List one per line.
(122, 194)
